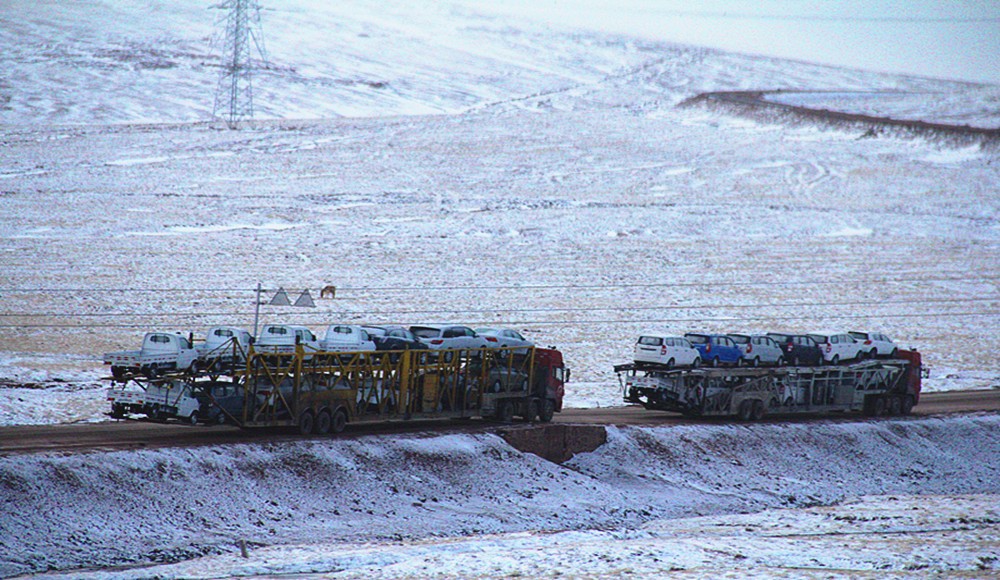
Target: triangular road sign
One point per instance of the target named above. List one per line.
(280, 299)
(305, 300)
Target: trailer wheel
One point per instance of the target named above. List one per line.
(758, 410)
(907, 407)
(878, 406)
(306, 423)
(895, 406)
(323, 422)
(339, 421)
(546, 410)
(746, 411)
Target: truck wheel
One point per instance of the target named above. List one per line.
(533, 410)
(546, 410)
(907, 407)
(306, 423)
(339, 421)
(504, 411)
(323, 422)
(117, 412)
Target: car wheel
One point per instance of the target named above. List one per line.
(739, 362)
(746, 411)
(835, 360)
(758, 410)
(497, 386)
(756, 361)
(193, 419)
(670, 364)
(715, 362)
(696, 362)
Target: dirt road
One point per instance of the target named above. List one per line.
(141, 434)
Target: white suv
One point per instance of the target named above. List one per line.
(875, 344)
(450, 337)
(669, 351)
(347, 338)
(837, 346)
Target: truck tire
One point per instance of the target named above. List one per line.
(339, 421)
(505, 411)
(907, 406)
(323, 422)
(745, 412)
(532, 411)
(306, 423)
(546, 410)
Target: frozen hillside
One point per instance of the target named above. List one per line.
(112, 61)
(347, 507)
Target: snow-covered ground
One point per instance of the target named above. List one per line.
(649, 501)
(448, 161)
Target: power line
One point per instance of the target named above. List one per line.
(523, 310)
(608, 321)
(992, 277)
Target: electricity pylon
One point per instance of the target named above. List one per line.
(234, 95)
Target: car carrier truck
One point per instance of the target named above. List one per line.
(873, 387)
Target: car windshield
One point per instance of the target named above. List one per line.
(739, 338)
(859, 335)
(650, 340)
(819, 338)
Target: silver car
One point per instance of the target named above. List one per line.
(449, 337)
(506, 337)
(759, 349)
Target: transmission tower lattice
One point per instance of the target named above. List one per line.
(243, 34)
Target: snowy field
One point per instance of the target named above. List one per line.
(453, 161)
(706, 501)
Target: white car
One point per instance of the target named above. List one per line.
(837, 347)
(449, 336)
(759, 349)
(663, 349)
(347, 338)
(506, 337)
(282, 338)
(875, 344)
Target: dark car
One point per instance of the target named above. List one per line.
(716, 349)
(221, 401)
(394, 338)
(799, 349)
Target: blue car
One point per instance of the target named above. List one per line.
(716, 349)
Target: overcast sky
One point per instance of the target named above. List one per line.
(936, 38)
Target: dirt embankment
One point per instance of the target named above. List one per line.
(755, 105)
